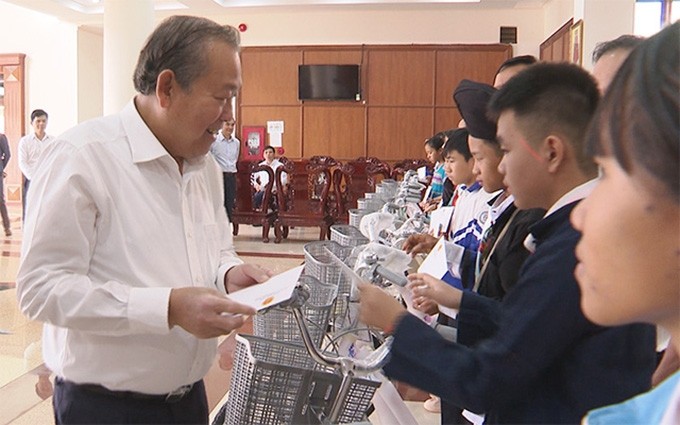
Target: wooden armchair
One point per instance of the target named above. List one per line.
(353, 180)
(245, 211)
(304, 201)
(400, 168)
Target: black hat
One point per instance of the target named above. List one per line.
(472, 99)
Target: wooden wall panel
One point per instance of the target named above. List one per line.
(400, 77)
(556, 47)
(12, 67)
(398, 133)
(445, 119)
(270, 77)
(335, 131)
(453, 66)
(332, 57)
(291, 117)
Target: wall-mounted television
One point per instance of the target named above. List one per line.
(328, 82)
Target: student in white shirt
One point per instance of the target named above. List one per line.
(261, 178)
(127, 255)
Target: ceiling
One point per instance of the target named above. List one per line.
(90, 12)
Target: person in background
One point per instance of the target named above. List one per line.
(30, 147)
(261, 179)
(628, 262)
(4, 160)
(512, 67)
(127, 256)
(608, 57)
(225, 150)
(433, 151)
(534, 357)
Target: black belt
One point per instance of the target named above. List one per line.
(172, 397)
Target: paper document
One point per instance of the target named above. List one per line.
(276, 290)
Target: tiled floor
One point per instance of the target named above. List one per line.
(21, 369)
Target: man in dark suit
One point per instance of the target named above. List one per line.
(4, 160)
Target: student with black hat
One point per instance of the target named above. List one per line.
(534, 357)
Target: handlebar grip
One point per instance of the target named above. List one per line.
(393, 277)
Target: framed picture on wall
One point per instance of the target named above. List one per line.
(252, 143)
(576, 43)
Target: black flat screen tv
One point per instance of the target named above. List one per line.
(328, 82)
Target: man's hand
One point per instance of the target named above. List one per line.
(415, 244)
(244, 275)
(205, 312)
(426, 287)
(378, 308)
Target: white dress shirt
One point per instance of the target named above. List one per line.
(30, 148)
(113, 227)
(262, 177)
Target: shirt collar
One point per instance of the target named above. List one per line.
(144, 146)
(472, 188)
(576, 194)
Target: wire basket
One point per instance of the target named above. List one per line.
(370, 204)
(279, 323)
(347, 235)
(355, 215)
(275, 382)
(319, 264)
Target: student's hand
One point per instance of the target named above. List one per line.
(415, 244)
(205, 312)
(426, 287)
(244, 275)
(425, 305)
(430, 207)
(378, 308)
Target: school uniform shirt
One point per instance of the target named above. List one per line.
(501, 268)
(535, 357)
(263, 177)
(658, 406)
(112, 229)
(470, 214)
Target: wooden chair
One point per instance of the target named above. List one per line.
(304, 201)
(352, 180)
(401, 167)
(245, 211)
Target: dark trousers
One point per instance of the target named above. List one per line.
(3, 206)
(229, 192)
(75, 405)
(27, 183)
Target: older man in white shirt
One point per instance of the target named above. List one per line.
(127, 256)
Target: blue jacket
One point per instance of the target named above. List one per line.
(534, 357)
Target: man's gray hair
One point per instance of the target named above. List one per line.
(179, 44)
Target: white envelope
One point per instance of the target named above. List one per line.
(276, 290)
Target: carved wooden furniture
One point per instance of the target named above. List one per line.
(352, 180)
(245, 211)
(401, 167)
(304, 201)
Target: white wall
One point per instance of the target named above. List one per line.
(555, 14)
(51, 62)
(90, 73)
(619, 16)
(436, 24)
